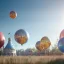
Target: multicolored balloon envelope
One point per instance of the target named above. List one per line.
(13, 14)
(21, 36)
(45, 42)
(62, 34)
(42, 46)
(2, 39)
(45, 45)
(61, 44)
(45, 39)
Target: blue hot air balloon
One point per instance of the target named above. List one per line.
(61, 44)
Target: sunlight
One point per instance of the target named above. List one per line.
(62, 19)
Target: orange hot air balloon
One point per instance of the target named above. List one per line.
(13, 14)
(62, 34)
(2, 39)
(21, 36)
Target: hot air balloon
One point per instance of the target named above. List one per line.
(38, 45)
(61, 44)
(45, 42)
(2, 39)
(62, 34)
(13, 14)
(21, 36)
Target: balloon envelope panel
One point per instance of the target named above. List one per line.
(45, 39)
(44, 46)
(62, 34)
(21, 36)
(13, 14)
(2, 39)
(61, 44)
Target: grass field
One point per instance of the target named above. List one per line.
(32, 59)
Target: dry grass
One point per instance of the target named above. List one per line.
(30, 59)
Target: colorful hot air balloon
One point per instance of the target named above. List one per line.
(13, 14)
(2, 39)
(45, 42)
(62, 34)
(38, 45)
(61, 44)
(41, 46)
(21, 36)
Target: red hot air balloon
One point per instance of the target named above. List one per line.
(62, 34)
(2, 39)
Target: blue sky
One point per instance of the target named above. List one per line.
(38, 17)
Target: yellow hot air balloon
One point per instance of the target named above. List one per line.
(45, 42)
(13, 14)
(40, 46)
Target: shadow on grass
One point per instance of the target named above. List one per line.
(57, 61)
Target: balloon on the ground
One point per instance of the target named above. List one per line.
(2, 39)
(61, 44)
(21, 36)
(62, 34)
(13, 14)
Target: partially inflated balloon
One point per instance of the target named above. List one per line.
(61, 44)
(21, 36)
(2, 39)
(62, 34)
(13, 14)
